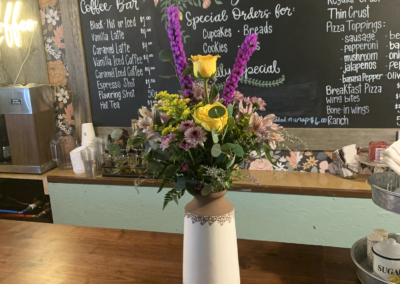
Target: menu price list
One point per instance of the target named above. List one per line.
(364, 73)
(122, 70)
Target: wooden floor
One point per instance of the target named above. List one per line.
(37, 253)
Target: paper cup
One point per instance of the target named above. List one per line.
(77, 162)
(87, 133)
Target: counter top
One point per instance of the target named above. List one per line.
(49, 253)
(270, 182)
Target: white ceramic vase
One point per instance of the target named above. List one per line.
(210, 254)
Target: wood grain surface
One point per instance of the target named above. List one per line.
(270, 182)
(48, 253)
(76, 63)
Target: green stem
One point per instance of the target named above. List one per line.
(190, 154)
(206, 90)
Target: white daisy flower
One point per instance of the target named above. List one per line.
(63, 96)
(52, 17)
(60, 116)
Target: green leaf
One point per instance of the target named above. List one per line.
(220, 158)
(218, 2)
(191, 187)
(137, 141)
(159, 154)
(166, 76)
(231, 123)
(161, 186)
(207, 189)
(175, 198)
(214, 135)
(258, 151)
(151, 145)
(157, 119)
(129, 144)
(166, 55)
(213, 93)
(155, 166)
(168, 197)
(180, 184)
(139, 133)
(230, 163)
(187, 71)
(116, 133)
(171, 170)
(114, 149)
(230, 110)
(266, 150)
(236, 149)
(216, 150)
(217, 112)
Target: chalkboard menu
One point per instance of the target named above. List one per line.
(318, 64)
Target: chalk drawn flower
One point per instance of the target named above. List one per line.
(52, 17)
(57, 73)
(42, 17)
(261, 165)
(63, 96)
(58, 37)
(69, 113)
(206, 4)
(155, 3)
(47, 3)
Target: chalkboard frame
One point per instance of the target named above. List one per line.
(326, 139)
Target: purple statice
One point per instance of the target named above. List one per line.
(175, 35)
(195, 135)
(246, 50)
(167, 139)
(185, 167)
(186, 125)
(186, 145)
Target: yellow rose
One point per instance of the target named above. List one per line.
(200, 115)
(206, 65)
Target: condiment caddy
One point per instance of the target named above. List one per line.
(386, 253)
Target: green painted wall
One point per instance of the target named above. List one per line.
(314, 220)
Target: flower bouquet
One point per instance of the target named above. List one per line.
(197, 139)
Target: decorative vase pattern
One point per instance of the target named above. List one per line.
(210, 254)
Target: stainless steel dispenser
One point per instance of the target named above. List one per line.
(30, 124)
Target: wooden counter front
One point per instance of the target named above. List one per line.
(270, 182)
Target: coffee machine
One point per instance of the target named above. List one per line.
(27, 124)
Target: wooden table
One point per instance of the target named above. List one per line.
(47, 253)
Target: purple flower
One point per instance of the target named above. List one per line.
(184, 167)
(186, 125)
(186, 145)
(195, 135)
(246, 50)
(258, 103)
(175, 35)
(167, 140)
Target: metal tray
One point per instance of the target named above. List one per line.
(359, 256)
(383, 186)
